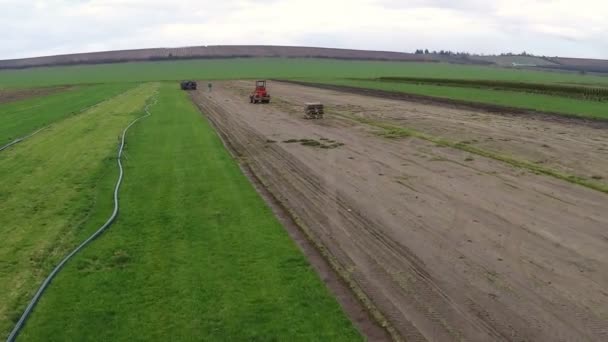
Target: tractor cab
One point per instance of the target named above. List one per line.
(260, 87)
(260, 95)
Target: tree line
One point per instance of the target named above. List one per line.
(452, 53)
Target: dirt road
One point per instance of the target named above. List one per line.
(448, 245)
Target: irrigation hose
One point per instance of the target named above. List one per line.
(21, 139)
(108, 223)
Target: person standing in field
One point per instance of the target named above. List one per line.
(210, 86)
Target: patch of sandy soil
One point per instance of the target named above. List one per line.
(448, 245)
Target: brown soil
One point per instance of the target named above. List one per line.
(9, 95)
(575, 146)
(448, 245)
(356, 311)
(460, 104)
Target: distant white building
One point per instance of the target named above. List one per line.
(523, 64)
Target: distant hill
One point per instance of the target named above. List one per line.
(245, 51)
(227, 51)
(579, 64)
(211, 51)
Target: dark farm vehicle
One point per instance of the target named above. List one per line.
(260, 94)
(188, 85)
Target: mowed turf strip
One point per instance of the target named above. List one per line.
(194, 255)
(540, 102)
(48, 190)
(19, 118)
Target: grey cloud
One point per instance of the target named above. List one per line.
(63, 26)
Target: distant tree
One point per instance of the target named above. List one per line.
(426, 51)
(419, 52)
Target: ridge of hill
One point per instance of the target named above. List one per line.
(221, 51)
(261, 51)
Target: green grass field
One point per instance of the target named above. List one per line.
(22, 117)
(541, 102)
(48, 191)
(272, 68)
(332, 71)
(194, 255)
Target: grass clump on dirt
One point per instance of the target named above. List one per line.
(310, 142)
(195, 252)
(330, 146)
(394, 133)
(323, 143)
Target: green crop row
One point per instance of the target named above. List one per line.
(579, 92)
(506, 98)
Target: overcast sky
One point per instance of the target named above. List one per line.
(574, 28)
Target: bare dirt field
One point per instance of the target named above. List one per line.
(574, 146)
(9, 95)
(448, 245)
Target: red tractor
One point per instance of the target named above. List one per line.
(259, 95)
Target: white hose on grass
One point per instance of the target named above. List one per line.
(21, 139)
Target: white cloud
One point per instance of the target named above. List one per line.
(560, 27)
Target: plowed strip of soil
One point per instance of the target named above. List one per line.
(458, 104)
(448, 246)
(10, 95)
